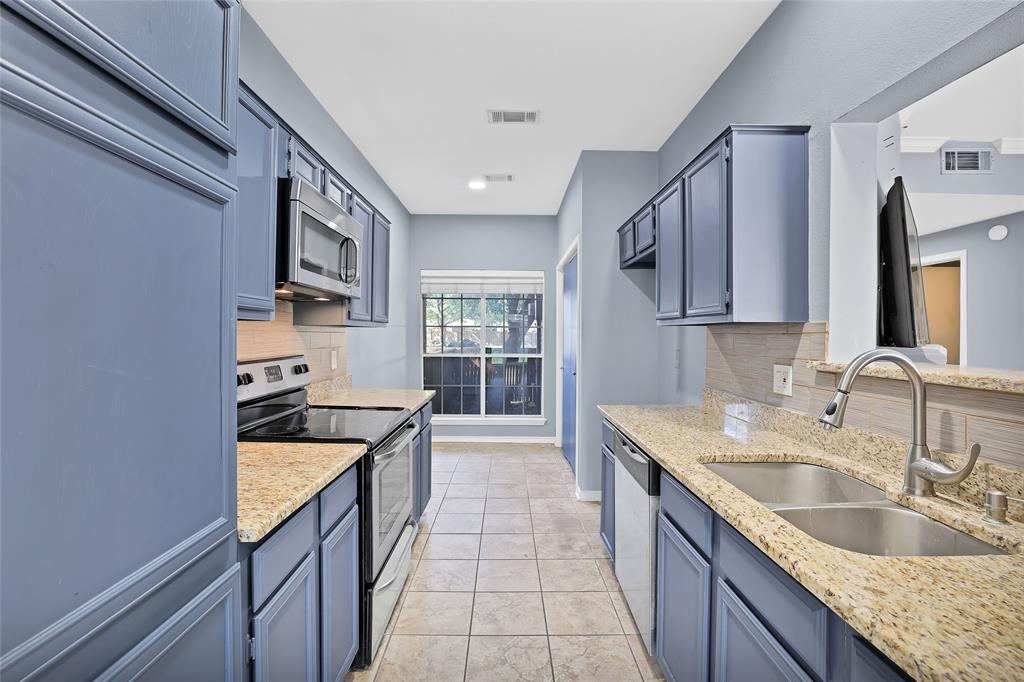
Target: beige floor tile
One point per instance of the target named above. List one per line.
(508, 613)
(591, 522)
(437, 491)
(418, 544)
(441, 477)
(439, 467)
(452, 546)
(507, 478)
(607, 568)
(424, 658)
(507, 523)
(370, 673)
(425, 524)
(552, 505)
(457, 523)
(508, 659)
(474, 463)
(506, 490)
(587, 507)
(580, 613)
(462, 505)
(507, 575)
(435, 613)
(570, 575)
(507, 505)
(547, 490)
(469, 477)
(649, 668)
(444, 575)
(466, 490)
(597, 545)
(622, 609)
(507, 546)
(564, 546)
(505, 464)
(557, 523)
(593, 659)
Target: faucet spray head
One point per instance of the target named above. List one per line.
(832, 416)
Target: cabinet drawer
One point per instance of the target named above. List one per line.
(281, 553)
(336, 499)
(689, 514)
(799, 619)
(608, 435)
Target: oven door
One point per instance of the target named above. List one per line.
(391, 497)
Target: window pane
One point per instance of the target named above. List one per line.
(471, 371)
(533, 372)
(451, 400)
(453, 339)
(513, 400)
(452, 310)
(471, 400)
(471, 339)
(431, 371)
(495, 339)
(433, 340)
(495, 400)
(435, 402)
(495, 311)
(452, 371)
(532, 404)
(471, 312)
(432, 311)
(495, 371)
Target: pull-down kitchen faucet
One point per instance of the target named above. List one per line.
(921, 472)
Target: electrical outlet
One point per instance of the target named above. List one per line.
(782, 379)
(334, 362)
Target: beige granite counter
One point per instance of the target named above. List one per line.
(411, 399)
(1002, 380)
(939, 618)
(275, 479)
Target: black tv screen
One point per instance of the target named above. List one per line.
(902, 320)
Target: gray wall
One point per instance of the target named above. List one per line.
(467, 242)
(995, 280)
(810, 63)
(923, 173)
(376, 356)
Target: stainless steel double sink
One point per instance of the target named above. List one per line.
(845, 512)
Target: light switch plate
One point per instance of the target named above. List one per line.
(782, 379)
(334, 361)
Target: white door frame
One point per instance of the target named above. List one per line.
(573, 250)
(954, 257)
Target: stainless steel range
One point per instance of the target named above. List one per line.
(272, 406)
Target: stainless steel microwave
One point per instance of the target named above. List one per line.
(318, 245)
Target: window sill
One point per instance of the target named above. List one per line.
(464, 420)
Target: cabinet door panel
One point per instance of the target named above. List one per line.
(418, 503)
(302, 163)
(608, 500)
(668, 210)
(744, 648)
(707, 234)
(337, 191)
(627, 242)
(285, 629)
(381, 268)
(359, 308)
(426, 463)
(683, 630)
(257, 208)
(339, 602)
(643, 227)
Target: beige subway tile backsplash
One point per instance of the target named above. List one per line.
(279, 337)
(1001, 441)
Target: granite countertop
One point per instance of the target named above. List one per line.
(411, 399)
(939, 618)
(1002, 380)
(275, 479)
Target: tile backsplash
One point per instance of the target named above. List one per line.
(280, 337)
(740, 359)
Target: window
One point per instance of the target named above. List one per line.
(483, 343)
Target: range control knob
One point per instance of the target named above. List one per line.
(297, 369)
(305, 368)
(247, 379)
(238, 379)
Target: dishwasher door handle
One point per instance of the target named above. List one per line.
(634, 455)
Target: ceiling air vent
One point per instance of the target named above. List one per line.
(966, 161)
(499, 177)
(504, 116)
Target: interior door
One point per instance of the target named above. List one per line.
(569, 349)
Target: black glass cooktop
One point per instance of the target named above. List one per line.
(341, 424)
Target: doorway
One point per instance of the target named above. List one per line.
(570, 348)
(945, 296)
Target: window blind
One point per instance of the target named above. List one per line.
(481, 281)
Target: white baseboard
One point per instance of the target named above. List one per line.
(545, 440)
(588, 495)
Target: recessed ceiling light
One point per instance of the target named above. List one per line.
(477, 184)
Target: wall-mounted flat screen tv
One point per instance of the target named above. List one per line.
(902, 319)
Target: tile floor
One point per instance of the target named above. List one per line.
(510, 580)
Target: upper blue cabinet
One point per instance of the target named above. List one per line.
(144, 45)
(730, 231)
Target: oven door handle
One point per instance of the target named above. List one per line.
(385, 457)
(391, 581)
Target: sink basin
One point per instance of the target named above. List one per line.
(885, 530)
(793, 483)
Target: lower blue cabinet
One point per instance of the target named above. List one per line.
(608, 499)
(744, 648)
(339, 598)
(422, 449)
(683, 608)
(285, 630)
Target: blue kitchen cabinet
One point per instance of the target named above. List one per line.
(285, 630)
(339, 598)
(257, 208)
(422, 463)
(637, 240)
(608, 499)
(706, 228)
(338, 192)
(359, 309)
(303, 163)
(381, 269)
(669, 285)
(683, 606)
(643, 231)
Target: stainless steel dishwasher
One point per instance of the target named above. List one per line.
(637, 503)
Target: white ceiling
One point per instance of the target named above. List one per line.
(410, 83)
(936, 212)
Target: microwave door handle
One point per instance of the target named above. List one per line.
(342, 270)
(385, 457)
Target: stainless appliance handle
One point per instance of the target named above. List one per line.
(393, 452)
(355, 280)
(633, 454)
